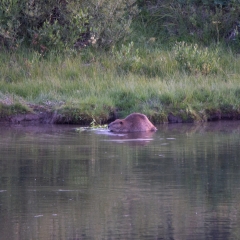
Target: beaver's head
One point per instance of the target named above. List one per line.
(117, 126)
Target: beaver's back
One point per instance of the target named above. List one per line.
(135, 122)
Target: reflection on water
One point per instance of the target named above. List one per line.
(181, 182)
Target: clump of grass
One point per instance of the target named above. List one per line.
(194, 59)
(13, 109)
(148, 61)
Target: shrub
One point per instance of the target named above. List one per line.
(61, 33)
(9, 23)
(110, 20)
(127, 57)
(61, 24)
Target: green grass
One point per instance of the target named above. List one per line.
(144, 78)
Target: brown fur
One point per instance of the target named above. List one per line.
(135, 122)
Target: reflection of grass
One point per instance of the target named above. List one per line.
(154, 84)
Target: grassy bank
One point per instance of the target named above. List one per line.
(190, 82)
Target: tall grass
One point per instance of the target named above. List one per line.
(129, 79)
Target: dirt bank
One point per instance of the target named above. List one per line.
(41, 114)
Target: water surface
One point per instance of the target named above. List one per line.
(182, 182)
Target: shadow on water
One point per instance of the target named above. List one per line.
(181, 182)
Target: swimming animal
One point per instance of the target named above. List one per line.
(135, 122)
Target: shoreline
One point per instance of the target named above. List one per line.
(41, 114)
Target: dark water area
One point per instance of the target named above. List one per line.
(182, 182)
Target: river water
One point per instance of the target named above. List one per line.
(182, 182)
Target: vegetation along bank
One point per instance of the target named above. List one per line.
(95, 61)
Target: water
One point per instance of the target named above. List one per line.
(182, 182)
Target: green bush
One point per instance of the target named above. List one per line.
(61, 33)
(127, 57)
(59, 24)
(110, 19)
(9, 23)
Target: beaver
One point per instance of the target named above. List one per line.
(135, 122)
